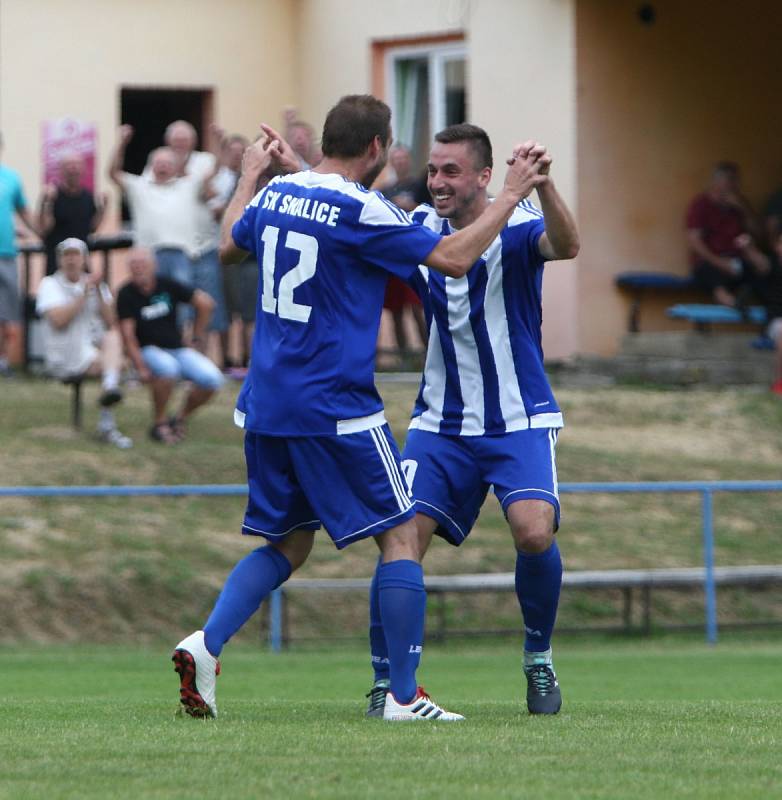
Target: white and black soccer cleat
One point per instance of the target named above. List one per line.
(421, 707)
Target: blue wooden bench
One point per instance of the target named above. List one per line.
(703, 315)
(644, 284)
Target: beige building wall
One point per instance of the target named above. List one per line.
(521, 83)
(657, 105)
(71, 59)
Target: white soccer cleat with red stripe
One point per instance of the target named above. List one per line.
(421, 707)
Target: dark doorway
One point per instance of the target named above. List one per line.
(150, 111)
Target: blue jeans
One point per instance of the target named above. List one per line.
(176, 266)
(184, 363)
(208, 277)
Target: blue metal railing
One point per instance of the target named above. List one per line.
(705, 488)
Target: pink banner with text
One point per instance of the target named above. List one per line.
(69, 136)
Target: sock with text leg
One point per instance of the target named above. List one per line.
(377, 637)
(403, 611)
(250, 581)
(538, 583)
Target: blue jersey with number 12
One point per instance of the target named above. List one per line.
(325, 247)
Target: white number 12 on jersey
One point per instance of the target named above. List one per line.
(283, 305)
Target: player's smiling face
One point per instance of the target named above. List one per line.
(456, 185)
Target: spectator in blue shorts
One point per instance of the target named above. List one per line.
(146, 307)
(318, 449)
(485, 416)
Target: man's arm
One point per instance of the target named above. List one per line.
(27, 219)
(203, 305)
(455, 254)
(705, 253)
(255, 161)
(62, 316)
(46, 209)
(752, 253)
(101, 203)
(125, 134)
(127, 329)
(560, 239)
(216, 139)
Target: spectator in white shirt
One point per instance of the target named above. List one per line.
(80, 335)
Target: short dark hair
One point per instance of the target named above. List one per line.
(476, 137)
(728, 169)
(352, 125)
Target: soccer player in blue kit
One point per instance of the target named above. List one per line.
(485, 415)
(317, 446)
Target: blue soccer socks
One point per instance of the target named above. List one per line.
(249, 583)
(538, 583)
(377, 638)
(402, 601)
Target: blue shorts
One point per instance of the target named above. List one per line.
(451, 475)
(351, 484)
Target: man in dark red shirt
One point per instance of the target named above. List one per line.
(715, 220)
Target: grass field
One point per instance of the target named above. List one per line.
(655, 719)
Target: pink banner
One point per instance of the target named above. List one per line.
(65, 137)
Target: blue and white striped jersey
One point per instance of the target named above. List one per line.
(325, 246)
(484, 370)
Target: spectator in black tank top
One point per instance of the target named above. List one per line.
(68, 210)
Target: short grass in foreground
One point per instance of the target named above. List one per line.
(640, 720)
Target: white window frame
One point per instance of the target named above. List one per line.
(438, 56)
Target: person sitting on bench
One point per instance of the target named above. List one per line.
(717, 221)
(80, 337)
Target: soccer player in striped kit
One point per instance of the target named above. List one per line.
(318, 449)
(485, 415)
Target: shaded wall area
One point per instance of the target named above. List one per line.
(664, 90)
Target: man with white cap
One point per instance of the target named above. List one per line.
(79, 331)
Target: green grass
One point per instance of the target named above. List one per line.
(640, 720)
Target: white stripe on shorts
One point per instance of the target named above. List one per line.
(394, 478)
(396, 468)
(552, 438)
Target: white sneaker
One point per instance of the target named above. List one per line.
(420, 707)
(113, 436)
(197, 669)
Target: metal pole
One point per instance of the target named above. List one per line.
(275, 620)
(709, 585)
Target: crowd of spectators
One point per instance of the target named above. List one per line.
(179, 303)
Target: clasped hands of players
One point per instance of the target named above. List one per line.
(528, 168)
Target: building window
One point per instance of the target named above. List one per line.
(426, 89)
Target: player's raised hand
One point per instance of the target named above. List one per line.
(257, 157)
(284, 153)
(125, 133)
(527, 169)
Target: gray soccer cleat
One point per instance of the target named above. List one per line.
(377, 697)
(543, 695)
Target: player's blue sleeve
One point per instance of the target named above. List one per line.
(386, 237)
(243, 228)
(523, 241)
